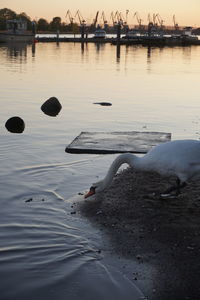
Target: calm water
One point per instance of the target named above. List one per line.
(45, 251)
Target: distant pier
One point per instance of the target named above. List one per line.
(140, 40)
(75, 39)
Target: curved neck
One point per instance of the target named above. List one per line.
(127, 158)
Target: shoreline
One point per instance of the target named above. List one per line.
(161, 236)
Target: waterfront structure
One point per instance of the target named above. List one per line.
(16, 31)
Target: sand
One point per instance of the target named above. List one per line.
(162, 235)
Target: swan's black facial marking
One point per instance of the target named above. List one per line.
(91, 192)
(92, 189)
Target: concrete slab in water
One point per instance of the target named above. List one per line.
(116, 142)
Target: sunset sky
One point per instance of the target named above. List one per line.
(187, 12)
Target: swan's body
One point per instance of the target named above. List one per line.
(180, 158)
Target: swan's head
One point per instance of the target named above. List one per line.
(95, 188)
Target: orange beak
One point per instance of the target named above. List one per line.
(90, 193)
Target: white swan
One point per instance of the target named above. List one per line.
(180, 158)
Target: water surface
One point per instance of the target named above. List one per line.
(45, 251)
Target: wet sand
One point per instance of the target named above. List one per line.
(161, 235)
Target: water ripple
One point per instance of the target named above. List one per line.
(39, 248)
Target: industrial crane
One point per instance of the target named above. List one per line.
(69, 15)
(176, 27)
(81, 20)
(112, 18)
(95, 20)
(115, 17)
(127, 11)
(159, 19)
(124, 21)
(105, 22)
(154, 20)
(149, 18)
(121, 19)
(139, 20)
(118, 17)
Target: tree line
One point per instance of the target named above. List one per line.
(41, 24)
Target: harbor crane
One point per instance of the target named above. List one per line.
(123, 21)
(139, 20)
(112, 18)
(69, 15)
(149, 18)
(159, 19)
(95, 19)
(176, 27)
(118, 17)
(154, 20)
(81, 20)
(105, 22)
(115, 18)
(127, 12)
(121, 18)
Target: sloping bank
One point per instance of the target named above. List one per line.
(162, 235)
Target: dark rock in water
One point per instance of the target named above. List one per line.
(15, 125)
(103, 103)
(51, 107)
(29, 200)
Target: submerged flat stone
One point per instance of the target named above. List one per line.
(116, 142)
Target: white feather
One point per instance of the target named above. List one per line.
(180, 158)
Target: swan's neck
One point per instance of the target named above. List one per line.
(128, 158)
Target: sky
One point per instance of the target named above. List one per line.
(187, 12)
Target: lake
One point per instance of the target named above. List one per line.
(46, 250)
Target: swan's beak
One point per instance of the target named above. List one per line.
(90, 193)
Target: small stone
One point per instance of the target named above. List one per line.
(103, 103)
(51, 107)
(15, 125)
(29, 200)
